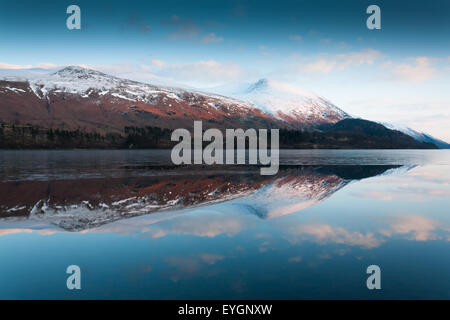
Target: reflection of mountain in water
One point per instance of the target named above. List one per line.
(78, 204)
(299, 189)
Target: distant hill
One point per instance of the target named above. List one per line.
(351, 134)
(419, 136)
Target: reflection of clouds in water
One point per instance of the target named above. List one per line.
(414, 227)
(376, 195)
(416, 185)
(28, 228)
(407, 193)
(192, 265)
(184, 264)
(201, 225)
(434, 174)
(290, 195)
(324, 233)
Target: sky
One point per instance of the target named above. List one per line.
(398, 74)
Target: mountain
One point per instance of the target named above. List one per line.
(289, 103)
(370, 133)
(418, 136)
(303, 108)
(351, 133)
(79, 98)
(77, 107)
(76, 98)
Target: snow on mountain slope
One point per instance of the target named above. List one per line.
(78, 80)
(82, 81)
(419, 136)
(79, 98)
(289, 103)
(265, 103)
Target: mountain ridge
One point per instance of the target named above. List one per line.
(81, 101)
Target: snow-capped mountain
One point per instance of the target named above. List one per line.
(79, 98)
(296, 105)
(82, 81)
(418, 136)
(288, 102)
(76, 98)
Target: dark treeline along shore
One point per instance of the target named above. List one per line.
(345, 134)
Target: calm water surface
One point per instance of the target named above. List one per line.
(139, 228)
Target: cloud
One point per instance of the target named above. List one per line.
(184, 264)
(320, 66)
(295, 37)
(326, 64)
(211, 38)
(41, 65)
(158, 63)
(39, 229)
(144, 72)
(184, 267)
(367, 56)
(420, 228)
(202, 227)
(420, 70)
(324, 233)
(200, 72)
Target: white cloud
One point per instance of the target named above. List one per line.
(42, 65)
(320, 66)
(211, 38)
(158, 63)
(419, 71)
(420, 228)
(367, 56)
(324, 233)
(202, 73)
(326, 64)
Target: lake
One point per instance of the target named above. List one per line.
(140, 228)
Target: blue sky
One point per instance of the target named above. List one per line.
(400, 73)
